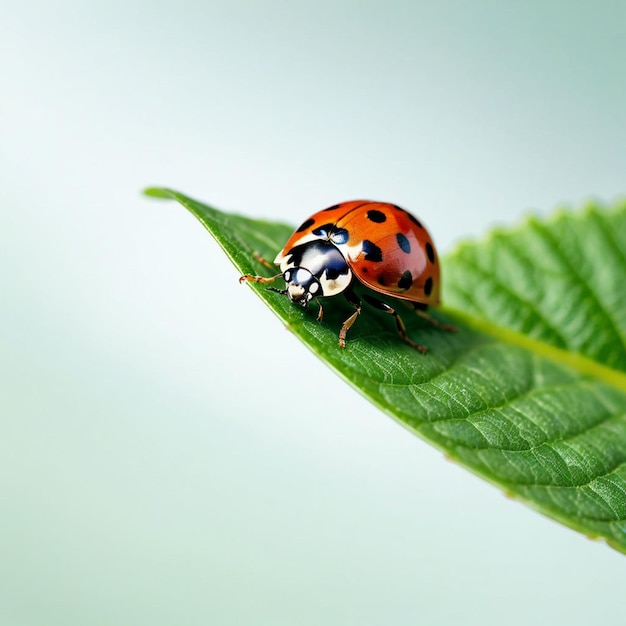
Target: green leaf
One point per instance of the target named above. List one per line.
(530, 394)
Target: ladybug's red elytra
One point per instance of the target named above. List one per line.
(376, 244)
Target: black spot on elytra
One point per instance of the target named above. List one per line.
(406, 280)
(376, 216)
(430, 253)
(332, 208)
(414, 220)
(428, 286)
(324, 230)
(306, 225)
(382, 281)
(403, 242)
(372, 251)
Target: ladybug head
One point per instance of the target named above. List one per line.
(301, 286)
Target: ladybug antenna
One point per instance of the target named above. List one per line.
(282, 292)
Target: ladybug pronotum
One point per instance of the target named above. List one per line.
(376, 244)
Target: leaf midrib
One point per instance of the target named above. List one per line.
(573, 360)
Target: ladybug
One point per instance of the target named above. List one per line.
(358, 244)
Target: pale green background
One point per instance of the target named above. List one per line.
(169, 454)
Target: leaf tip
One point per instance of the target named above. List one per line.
(159, 192)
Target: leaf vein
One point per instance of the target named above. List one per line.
(528, 304)
(542, 231)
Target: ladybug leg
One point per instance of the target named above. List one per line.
(320, 313)
(257, 279)
(420, 309)
(263, 261)
(353, 299)
(401, 328)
